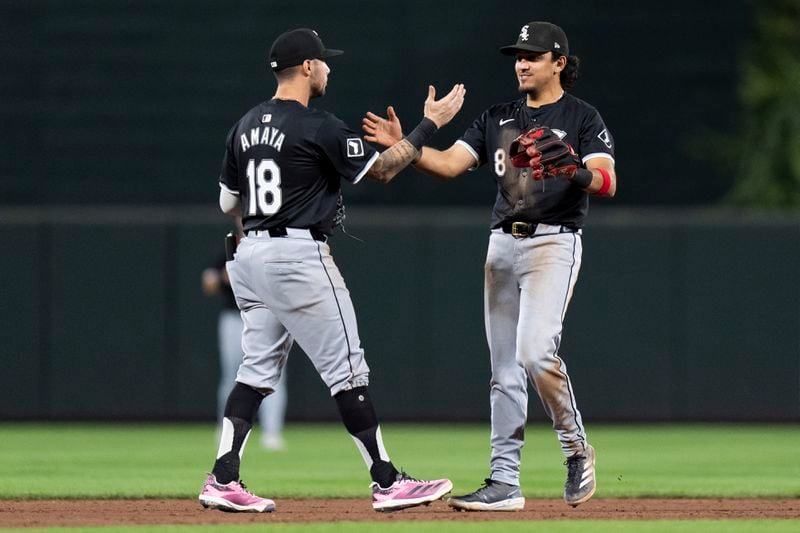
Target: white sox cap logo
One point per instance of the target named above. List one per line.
(355, 148)
(523, 34)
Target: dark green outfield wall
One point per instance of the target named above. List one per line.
(677, 315)
(129, 102)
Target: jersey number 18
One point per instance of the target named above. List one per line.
(264, 180)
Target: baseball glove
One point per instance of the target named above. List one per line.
(545, 152)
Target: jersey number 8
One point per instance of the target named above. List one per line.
(265, 191)
(500, 162)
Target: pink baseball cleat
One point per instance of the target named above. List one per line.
(233, 497)
(408, 492)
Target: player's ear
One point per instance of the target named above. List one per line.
(560, 63)
(307, 67)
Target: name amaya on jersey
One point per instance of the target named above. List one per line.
(270, 137)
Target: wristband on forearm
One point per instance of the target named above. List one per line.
(583, 178)
(422, 133)
(606, 182)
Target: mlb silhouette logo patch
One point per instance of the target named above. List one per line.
(355, 148)
(266, 118)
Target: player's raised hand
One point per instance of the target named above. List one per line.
(382, 131)
(443, 110)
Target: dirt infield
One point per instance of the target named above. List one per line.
(43, 513)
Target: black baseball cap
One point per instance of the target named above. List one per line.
(539, 36)
(295, 46)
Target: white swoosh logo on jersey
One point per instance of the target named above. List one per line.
(506, 121)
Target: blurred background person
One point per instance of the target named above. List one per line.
(272, 412)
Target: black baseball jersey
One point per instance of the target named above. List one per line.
(285, 161)
(520, 198)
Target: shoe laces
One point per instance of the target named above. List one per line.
(403, 476)
(574, 464)
(486, 484)
(241, 484)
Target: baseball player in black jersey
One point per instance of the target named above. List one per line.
(548, 151)
(281, 173)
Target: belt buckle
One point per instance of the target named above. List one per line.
(520, 229)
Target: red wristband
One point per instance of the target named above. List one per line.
(606, 182)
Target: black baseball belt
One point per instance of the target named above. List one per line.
(281, 231)
(522, 230)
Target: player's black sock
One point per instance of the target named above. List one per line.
(243, 402)
(383, 473)
(240, 411)
(358, 415)
(226, 468)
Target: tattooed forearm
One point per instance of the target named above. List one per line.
(392, 161)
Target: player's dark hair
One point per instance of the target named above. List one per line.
(569, 75)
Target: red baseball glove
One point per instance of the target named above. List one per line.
(545, 152)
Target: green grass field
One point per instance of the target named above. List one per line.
(160, 460)
(155, 460)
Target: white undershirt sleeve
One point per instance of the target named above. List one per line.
(228, 201)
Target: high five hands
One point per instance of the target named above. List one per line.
(387, 131)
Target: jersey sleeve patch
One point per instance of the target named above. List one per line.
(595, 137)
(355, 147)
(606, 138)
(347, 153)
